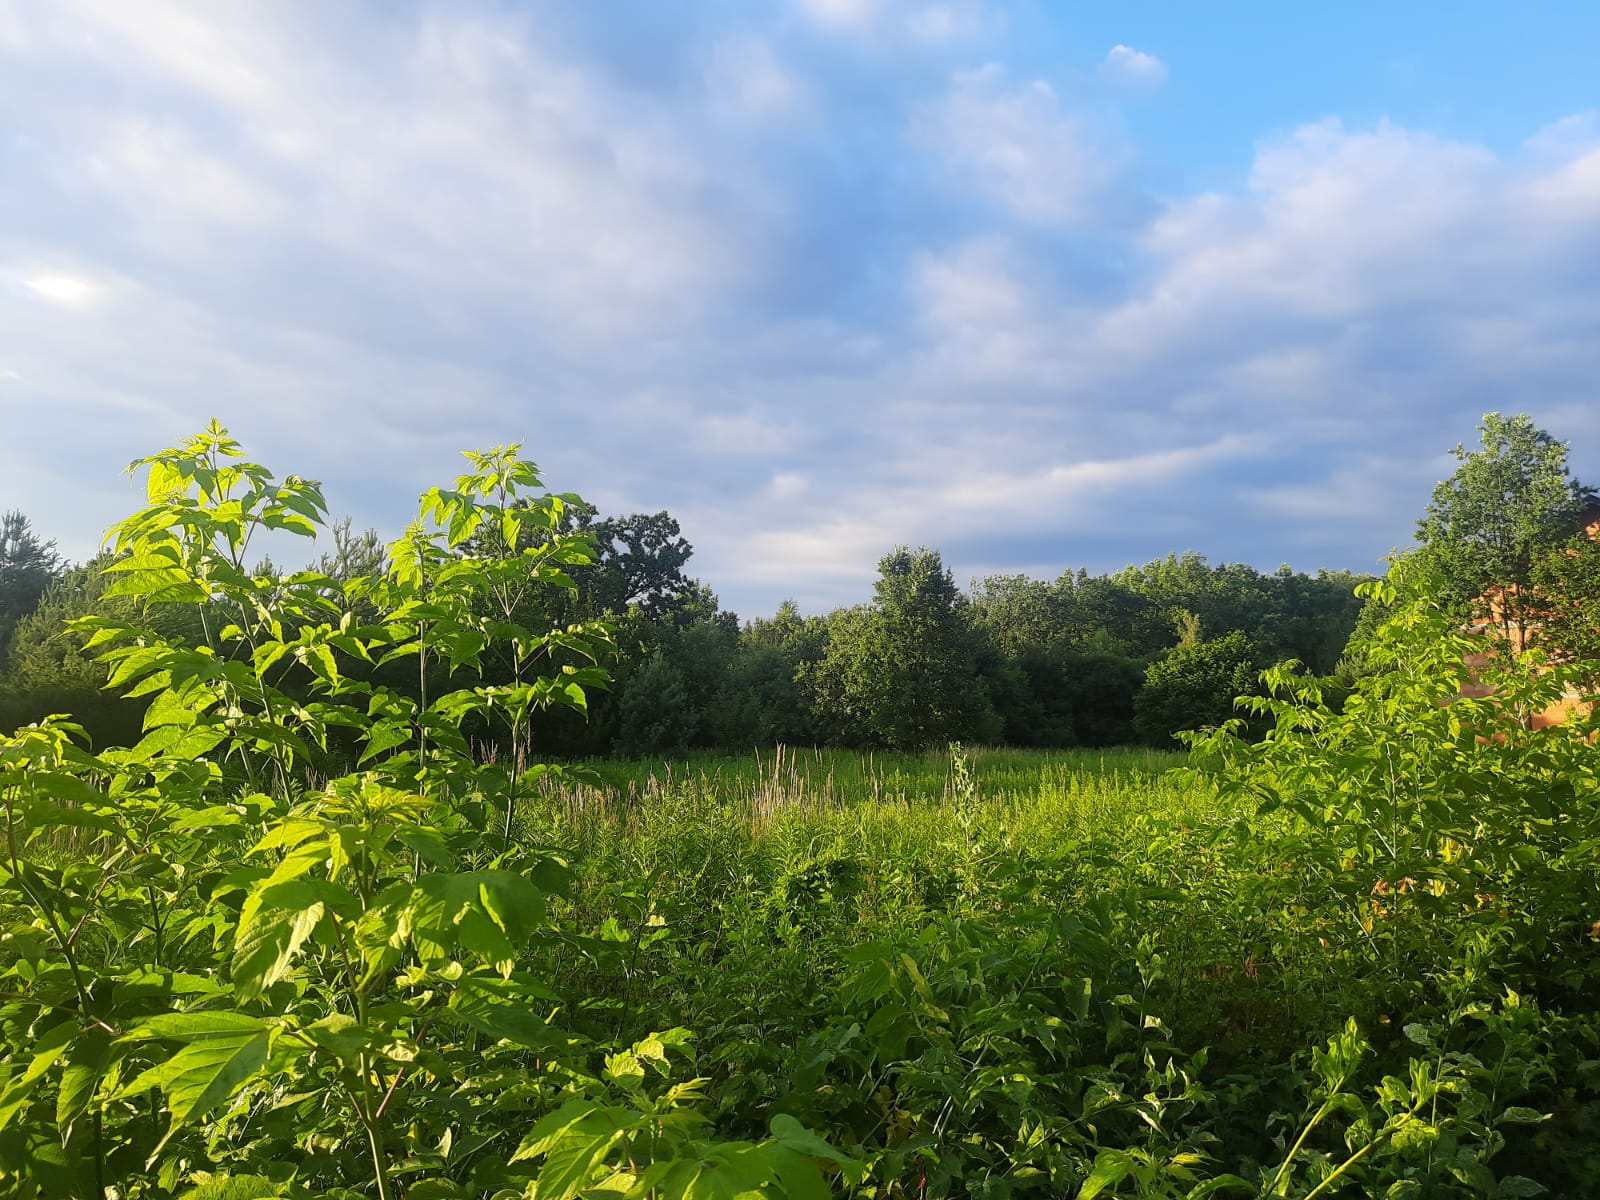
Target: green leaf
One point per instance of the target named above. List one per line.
(791, 1134)
(625, 1070)
(1518, 1115)
(1512, 1187)
(86, 1063)
(505, 1009)
(195, 1026)
(1217, 1184)
(576, 1119)
(174, 707)
(1111, 1167)
(490, 913)
(435, 1189)
(798, 1174)
(1420, 1034)
(385, 735)
(175, 741)
(236, 1187)
(571, 1167)
(273, 925)
(287, 833)
(341, 1035)
(225, 1051)
(20, 1090)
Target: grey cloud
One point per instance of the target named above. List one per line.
(367, 238)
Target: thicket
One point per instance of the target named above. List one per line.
(1357, 955)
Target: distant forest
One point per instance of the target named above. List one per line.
(1085, 660)
(1130, 657)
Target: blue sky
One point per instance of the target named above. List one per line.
(1040, 285)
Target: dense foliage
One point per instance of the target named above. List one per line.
(1017, 660)
(327, 928)
(1501, 520)
(27, 566)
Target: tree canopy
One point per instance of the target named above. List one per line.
(27, 565)
(1508, 505)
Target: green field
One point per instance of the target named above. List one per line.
(784, 787)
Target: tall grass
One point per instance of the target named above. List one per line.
(744, 819)
(784, 777)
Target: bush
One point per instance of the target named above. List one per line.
(1193, 686)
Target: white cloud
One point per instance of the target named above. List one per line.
(956, 21)
(965, 493)
(1363, 491)
(747, 82)
(987, 495)
(1017, 144)
(972, 289)
(367, 240)
(786, 485)
(934, 24)
(1367, 284)
(843, 14)
(158, 170)
(1135, 66)
(743, 434)
(455, 152)
(987, 321)
(1334, 222)
(68, 291)
(1574, 134)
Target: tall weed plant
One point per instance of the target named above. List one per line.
(225, 981)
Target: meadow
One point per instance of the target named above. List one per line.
(895, 947)
(316, 936)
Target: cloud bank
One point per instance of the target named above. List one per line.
(819, 281)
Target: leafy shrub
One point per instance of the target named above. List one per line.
(228, 981)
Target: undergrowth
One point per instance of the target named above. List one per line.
(1355, 957)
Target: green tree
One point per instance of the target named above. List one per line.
(353, 555)
(1509, 503)
(1193, 686)
(1566, 585)
(47, 670)
(762, 700)
(653, 712)
(902, 671)
(195, 929)
(1020, 613)
(640, 560)
(1094, 693)
(27, 565)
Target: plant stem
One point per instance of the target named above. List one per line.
(1354, 1158)
(380, 1166)
(1288, 1161)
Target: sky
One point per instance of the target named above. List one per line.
(1040, 285)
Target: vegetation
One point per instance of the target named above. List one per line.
(328, 927)
(1019, 661)
(1508, 508)
(27, 565)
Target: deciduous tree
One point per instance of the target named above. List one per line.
(903, 671)
(1507, 506)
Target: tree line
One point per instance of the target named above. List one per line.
(1084, 660)
(1131, 656)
